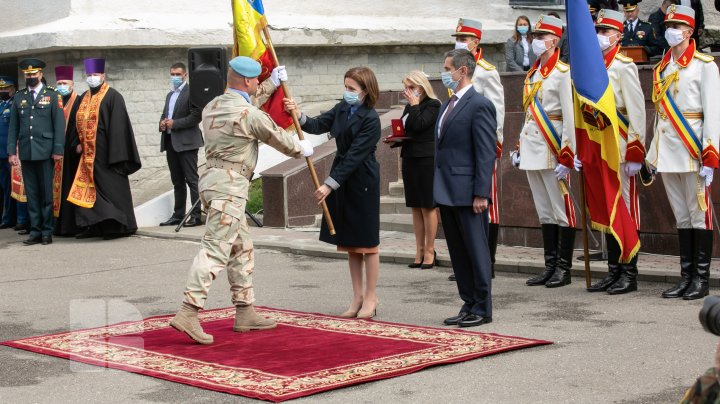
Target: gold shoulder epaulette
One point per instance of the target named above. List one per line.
(623, 58)
(485, 64)
(562, 66)
(704, 57)
(51, 88)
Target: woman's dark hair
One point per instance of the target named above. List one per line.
(368, 83)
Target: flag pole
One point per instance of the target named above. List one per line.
(583, 215)
(298, 129)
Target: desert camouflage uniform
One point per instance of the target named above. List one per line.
(704, 391)
(232, 129)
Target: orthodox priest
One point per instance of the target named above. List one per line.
(101, 188)
(65, 224)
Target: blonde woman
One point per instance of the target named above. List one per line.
(418, 155)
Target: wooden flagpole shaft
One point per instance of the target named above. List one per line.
(301, 136)
(583, 214)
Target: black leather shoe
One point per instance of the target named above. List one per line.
(415, 265)
(21, 226)
(173, 221)
(451, 278)
(192, 222)
(24, 232)
(455, 319)
(6, 226)
(473, 320)
(46, 240)
(33, 241)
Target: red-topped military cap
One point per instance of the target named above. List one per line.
(466, 26)
(608, 18)
(681, 14)
(549, 25)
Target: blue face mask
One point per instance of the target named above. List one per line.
(63, 89)
(351, 97)
(176, 81)
(523, 29)
(447, 80)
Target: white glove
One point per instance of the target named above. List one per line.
(631, 168)
(561, 172)
(577, 163)
(306, 147)
(515, 156)
(707, 173)
(278, 74)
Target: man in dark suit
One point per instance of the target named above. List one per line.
(181, 139)
(464, 160)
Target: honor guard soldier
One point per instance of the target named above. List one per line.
(687, 127)
(486, 81)
(547, 149)
(37, 130)
(637, 32)
(232, 127)
(630, 104)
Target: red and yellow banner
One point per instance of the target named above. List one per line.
(248, 23)
(596, 131)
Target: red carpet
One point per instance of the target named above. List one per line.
(306, 354)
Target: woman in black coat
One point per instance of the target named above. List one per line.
(418, 155)
(352, 190)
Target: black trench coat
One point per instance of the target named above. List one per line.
(355, 206)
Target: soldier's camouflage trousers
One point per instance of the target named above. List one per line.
(225, 245)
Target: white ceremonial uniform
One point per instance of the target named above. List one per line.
(630, 101)
(694, 86)
(553, 204)
(486, 81)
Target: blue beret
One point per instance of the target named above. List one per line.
(245, 67)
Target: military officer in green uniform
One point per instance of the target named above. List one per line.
(637, 32)
(233, 126)
(36, 138)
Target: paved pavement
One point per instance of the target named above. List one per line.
(399, 247)
(635, 348)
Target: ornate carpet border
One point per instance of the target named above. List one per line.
(447, 346)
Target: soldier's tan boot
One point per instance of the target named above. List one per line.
(186, 320)
(247, 320)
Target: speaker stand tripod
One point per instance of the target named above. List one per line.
(196, 205)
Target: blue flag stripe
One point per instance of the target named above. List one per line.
(588, 67)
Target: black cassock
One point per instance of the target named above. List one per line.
(116, 158)
(65, 223)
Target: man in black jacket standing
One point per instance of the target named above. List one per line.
(181, 139)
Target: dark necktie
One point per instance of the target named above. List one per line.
(448, 111)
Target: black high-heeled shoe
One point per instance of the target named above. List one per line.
(415, 265)
(432, 264)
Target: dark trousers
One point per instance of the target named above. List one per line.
(183, 172)
(9, 210)
(38, 178)
(467, 239)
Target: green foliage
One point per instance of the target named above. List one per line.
(255, 197)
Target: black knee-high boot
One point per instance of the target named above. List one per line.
(613, 266)
(561, 277)
(550, 245)
(702, 245)
(687, 264)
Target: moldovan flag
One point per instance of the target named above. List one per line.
(596, 132)
(248, 23)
